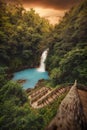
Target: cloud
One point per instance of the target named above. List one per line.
(55, 4)
(53, 10)
(51, 14)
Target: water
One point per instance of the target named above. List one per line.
(32, 76)
(42, 62)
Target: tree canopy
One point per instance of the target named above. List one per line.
(23, 37)
(21, 33)
(67, 59)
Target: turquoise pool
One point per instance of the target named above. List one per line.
(32, 76)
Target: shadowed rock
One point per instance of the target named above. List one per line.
(70, 115)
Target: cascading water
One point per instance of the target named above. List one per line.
(42, 62)
(32, 76)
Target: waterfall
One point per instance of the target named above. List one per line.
(42, 62)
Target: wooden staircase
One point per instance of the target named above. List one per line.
(45, 96)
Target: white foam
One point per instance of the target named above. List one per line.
(42, 62)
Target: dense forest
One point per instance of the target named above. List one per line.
(23, 37)
(67, 59)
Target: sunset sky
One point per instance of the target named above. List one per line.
(53, 10)
(52, 15)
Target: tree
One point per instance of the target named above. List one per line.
(3, 76)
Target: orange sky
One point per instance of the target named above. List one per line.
(51, 14)
(53, 10)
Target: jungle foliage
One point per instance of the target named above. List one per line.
(23, 37)
(67, 59)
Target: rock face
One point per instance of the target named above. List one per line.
(70, 115)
